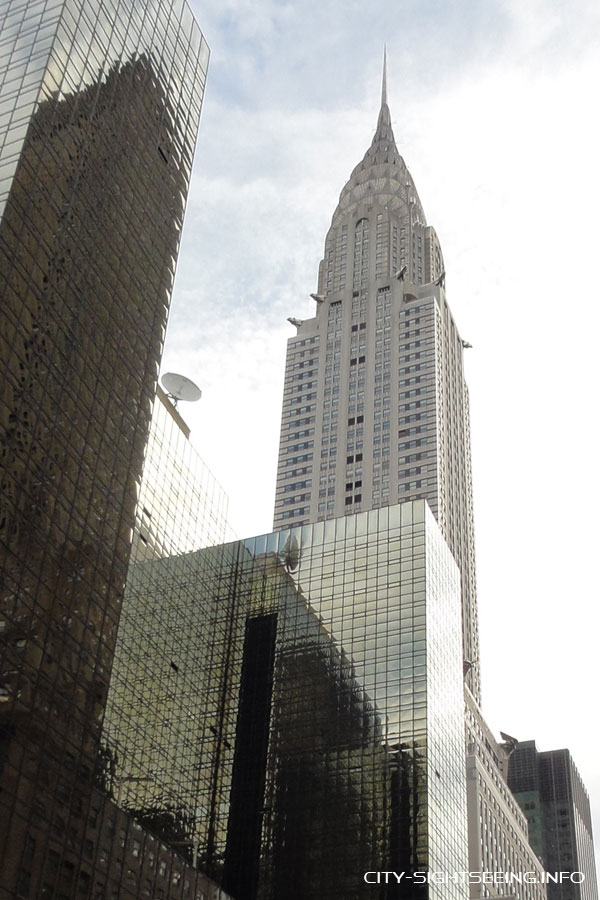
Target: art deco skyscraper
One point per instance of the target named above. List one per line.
(375, 407)
(99, 105)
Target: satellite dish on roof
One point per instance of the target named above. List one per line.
(178, 387)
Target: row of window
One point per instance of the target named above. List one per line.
(297, 485)
(294, 513)
(304, 445)
(305, 342)
(306, 432)
(298, 498)
(297, 389)
(295, 473)
(302, 375)
(297, 459)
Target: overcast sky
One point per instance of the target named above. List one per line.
(495, 109)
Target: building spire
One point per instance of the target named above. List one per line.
(384, 123)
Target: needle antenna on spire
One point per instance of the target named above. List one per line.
(384, 78)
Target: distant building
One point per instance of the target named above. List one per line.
(550, 791)
(498, 836)
(100, 105)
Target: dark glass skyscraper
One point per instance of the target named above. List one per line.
(552, 795)
(99, 109)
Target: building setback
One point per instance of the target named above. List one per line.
(550, 791)
(100, 107)
(375, 405)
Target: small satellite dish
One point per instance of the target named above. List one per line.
(178, 387)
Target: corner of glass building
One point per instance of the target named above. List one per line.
(332, 730)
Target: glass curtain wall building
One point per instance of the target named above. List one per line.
(99, 110)
(181, 506)
(553, 797)
(375, 405)
(330, 737)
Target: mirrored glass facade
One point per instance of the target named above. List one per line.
(289, 708)
(181, 506)
(99, 109)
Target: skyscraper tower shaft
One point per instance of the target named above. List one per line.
(375, 406)
(100, 105)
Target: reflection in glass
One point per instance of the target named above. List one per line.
(300, 731)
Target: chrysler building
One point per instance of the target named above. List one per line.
(375, 405)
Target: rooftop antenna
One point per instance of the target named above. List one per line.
(384, 78)
(178, 387)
